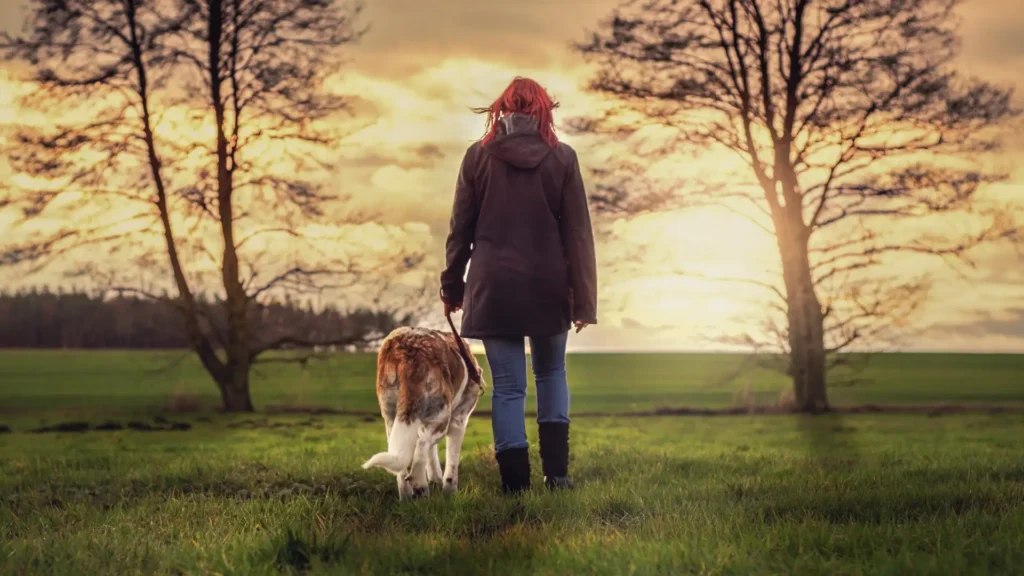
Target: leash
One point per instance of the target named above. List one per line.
(471, 369)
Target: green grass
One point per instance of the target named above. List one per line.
(96, 381)
(739, 495)
(853, 494)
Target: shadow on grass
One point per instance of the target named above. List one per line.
(299, 551)
(313, 548)
(890, 506)
(831, 442)
(238, 484)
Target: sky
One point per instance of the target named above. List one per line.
(422, 65)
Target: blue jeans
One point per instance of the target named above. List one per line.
(507, 360)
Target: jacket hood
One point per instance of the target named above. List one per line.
(518, 143)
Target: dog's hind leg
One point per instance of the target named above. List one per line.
(389, 410)
(434, 474)
(453, 451)
(421, 460)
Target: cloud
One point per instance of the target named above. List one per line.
(1008, 323)
(993, 28)
(633, 324)
(1000, 331)
(430, 153)
(407, 35)
(1001, 264)
(1005, 41)
(422, 156)
(12, 14)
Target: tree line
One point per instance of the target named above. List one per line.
(41, 318)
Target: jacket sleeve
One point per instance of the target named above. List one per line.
(578, 239)
(462, 228)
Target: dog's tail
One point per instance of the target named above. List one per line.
(401, 448)
(393, 463)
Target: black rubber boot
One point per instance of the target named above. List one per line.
(514, 465)
(554, 454)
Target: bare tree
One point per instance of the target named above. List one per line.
(851, 121)
(171, 125)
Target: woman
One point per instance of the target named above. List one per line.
(521, 213)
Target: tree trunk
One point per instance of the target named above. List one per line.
(234, 390)
(806, 326)
(186, 299)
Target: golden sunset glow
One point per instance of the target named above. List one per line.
(424, 64)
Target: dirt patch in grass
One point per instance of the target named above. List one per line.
(265, 423)
(931, 409)
(746, 410)
(161, 425)
(311, 409)
(927, 409)
(62, 427)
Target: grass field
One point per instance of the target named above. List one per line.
(259, 494)
(42, 381)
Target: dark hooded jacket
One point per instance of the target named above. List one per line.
(521, 214)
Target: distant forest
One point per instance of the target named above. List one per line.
(40, 318)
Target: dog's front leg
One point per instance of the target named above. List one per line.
(453, 450)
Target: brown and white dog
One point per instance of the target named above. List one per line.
(425, 392)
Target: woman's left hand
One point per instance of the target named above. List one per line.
(450, 309)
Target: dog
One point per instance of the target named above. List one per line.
(426, 391)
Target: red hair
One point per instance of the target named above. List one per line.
(524, 96)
